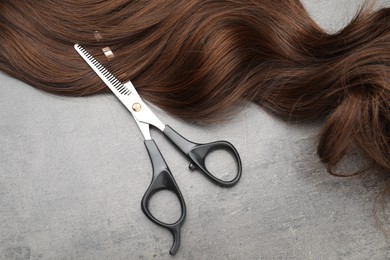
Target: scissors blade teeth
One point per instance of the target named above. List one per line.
(111, 81)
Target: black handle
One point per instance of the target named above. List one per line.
(197, 153)
(163, 180)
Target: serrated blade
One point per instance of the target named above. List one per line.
(111, 81)
(126, 93)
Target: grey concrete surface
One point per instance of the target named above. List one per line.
(73, 172)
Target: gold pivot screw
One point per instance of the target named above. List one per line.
(136, 107)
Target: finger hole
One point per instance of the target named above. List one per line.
(164, 205)
(222, 164)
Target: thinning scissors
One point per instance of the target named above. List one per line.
(162, 177)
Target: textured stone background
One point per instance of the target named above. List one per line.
(73, 172)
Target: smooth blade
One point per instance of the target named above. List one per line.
(111, 81)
